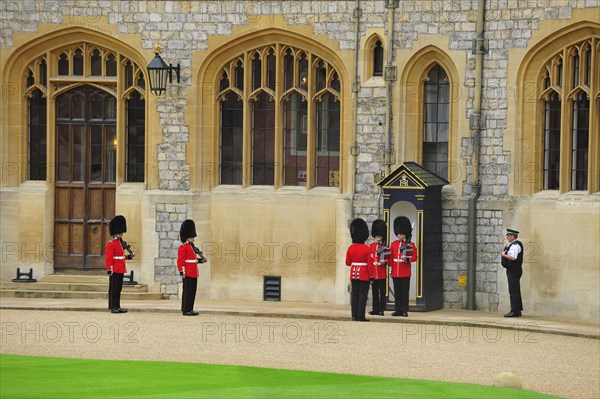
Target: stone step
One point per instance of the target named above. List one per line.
(97, 271)
(75, 278)
(74, 286)
(67, 286)
(24, 293)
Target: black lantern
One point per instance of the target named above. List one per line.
(158, 71)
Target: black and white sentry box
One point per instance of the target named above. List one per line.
(416, 193)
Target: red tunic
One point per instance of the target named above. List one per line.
(114, 256)
(379, 272)
(401, 269)
(357, 257)
(187, 261)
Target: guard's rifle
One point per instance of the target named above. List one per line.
(127, 248)
(199, 254)
(383, 251)
(405, 248)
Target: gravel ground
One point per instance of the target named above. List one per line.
(554, 364)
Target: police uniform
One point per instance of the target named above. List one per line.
(357, 257)
(188, 258)
(379, 228)
(401, 270)
(514, 271)
(115, 263)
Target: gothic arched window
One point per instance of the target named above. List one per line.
(436, 108)
(566, 97)
(81, 61)
(281, 119)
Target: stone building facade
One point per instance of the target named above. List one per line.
(520, 143)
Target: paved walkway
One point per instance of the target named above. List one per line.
(550, 355)
(551, 325)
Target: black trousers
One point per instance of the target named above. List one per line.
(358, 299)
(401, 287)
(188, 295)
(379, 299)
(115, 285)
(514, 289)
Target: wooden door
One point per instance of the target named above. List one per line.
(85, 176)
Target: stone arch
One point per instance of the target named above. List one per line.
(17, 63)
(203, 114)
(410, 140)
(528, 145)
(368, 54)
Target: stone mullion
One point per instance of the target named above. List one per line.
(311, 142)
(564, 175)
(246, 125)
(594, 126)
(539, 156)
(51, 70)
(278, 182)
(121, 128)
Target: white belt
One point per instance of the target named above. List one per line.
(191, 261)
(359, 264)
(118, 257)
(400, 260)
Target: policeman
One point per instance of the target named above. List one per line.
(188, 258)
(115, 262)
(512, 261)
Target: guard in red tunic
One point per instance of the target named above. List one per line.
(188, 258)
(115, 262)
(357, 257)
(378, 264)
(404, 252)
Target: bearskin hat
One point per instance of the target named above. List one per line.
(402, 226)
(187, 230)
(379, 228)
(359, 231)
(117, 225)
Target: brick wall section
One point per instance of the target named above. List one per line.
(370, 138)
(168, 221)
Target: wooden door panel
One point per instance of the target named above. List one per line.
(95, 243)
(95, 239)
(109, 203)
(96, 203)
(77, 204)
(63, 203)
(61, 239)
(77, 239)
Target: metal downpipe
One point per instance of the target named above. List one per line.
(389, 86)
(355, 88)
(475, 124)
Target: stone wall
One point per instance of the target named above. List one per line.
(168, 221)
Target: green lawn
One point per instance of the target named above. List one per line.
(42, 377)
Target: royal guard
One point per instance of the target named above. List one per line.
(357, 257)
(378, 265)
(188, 258)
(403, 252)
(115, 262)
